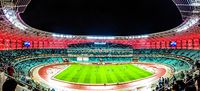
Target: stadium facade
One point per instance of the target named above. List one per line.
(14, 31)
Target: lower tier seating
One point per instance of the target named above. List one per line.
(25, 66)
(178, 65)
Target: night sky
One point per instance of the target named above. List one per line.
(102, 17)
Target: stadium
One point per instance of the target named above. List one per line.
(38, 60)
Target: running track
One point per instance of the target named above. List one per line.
(42, 76)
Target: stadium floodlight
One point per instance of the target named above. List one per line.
(11, 16)
(144, 36)
(141, 36)
(54, 35)
(99, 37)
(188, 24)
(62, 36)
(195, 4)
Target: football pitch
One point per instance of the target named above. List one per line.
(102, 74)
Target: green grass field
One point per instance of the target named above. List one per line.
(102, 74)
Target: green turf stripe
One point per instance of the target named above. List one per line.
(143, 72)
(108, 77)
(103, 74)
(117, 75)
(83, 75)
(93, 76)
(125, 73)
(81, 72)
(139, 73)
(123, 68)
(71, 73)
(98, 77)
(113, 77)
(134, 69)
(64, 74)
(88, 75)
(131, 74)
(76, 76)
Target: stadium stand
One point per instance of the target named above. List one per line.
(47, 48)
(28, 59)
(178, 65)
(25, 66)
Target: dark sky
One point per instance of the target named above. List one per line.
(102, 17)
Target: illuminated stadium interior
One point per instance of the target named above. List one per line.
(37, 60)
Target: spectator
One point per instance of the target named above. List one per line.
(53, 89)
(9, 85)
(197, 84)
(10, 70)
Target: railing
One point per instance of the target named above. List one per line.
(22, 86)
(171, 83)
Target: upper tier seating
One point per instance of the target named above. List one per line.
(103, 49)
(193, 54)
